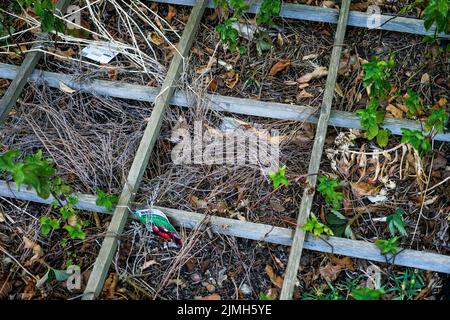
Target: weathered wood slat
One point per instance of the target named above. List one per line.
(25, 70)
(109, 246)
(260, 232)
(250, 107)
(329, 15)
(290, 277)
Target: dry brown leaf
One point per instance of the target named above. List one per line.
(278, 67)
(344, 263)
(339, 91)
(304, 95)
(69, 53)
(199, 204)
(361, 189)
(30, 291)
(171, 14)
(317, 73)
(276, 280)
(155, 38)
(37, 250)
(110, 285)
(425, 78)
(330, 272)
(442, 102)
(2, 216)
(394, 111)
(233, 80)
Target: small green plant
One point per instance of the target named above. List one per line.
(317, 228)
(376, 81)
(269, 10)
(363, 293)
(229, 35)
(376, 75)
(417, 140)
(40, 174)
(395, 222)
(413, 103)
(105, 200)
(278, 178)
(407, 284)
(327, 188)
(45, 10)
(48, 225)
(371, 119)
(388, 246)
(436, 121)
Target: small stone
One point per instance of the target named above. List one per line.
(245, 289)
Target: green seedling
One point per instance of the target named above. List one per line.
(388, 246)
(317, 228)
(327, 188)
(278, 178)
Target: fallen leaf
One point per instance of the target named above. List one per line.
(149, 263)
(278, 67)
(2, 216)
(65, 88)
(110, 285)
(425, 78)
(304, 95)
(394, 111)
(155, 38)
(37, 250)
(330, 271)
(231, 82)
(361, 189)
(171, 13)
(310, 56)
(276, 280)
(317, 73)
(199, 204)
(30, 291)
(344, 263)
(339, 91)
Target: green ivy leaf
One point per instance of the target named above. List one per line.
(383, 137)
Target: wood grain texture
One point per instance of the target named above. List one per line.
(259, 232)
(29, 63)
(290, 277)
(120, 216)
(216, 102)
(329, 15)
